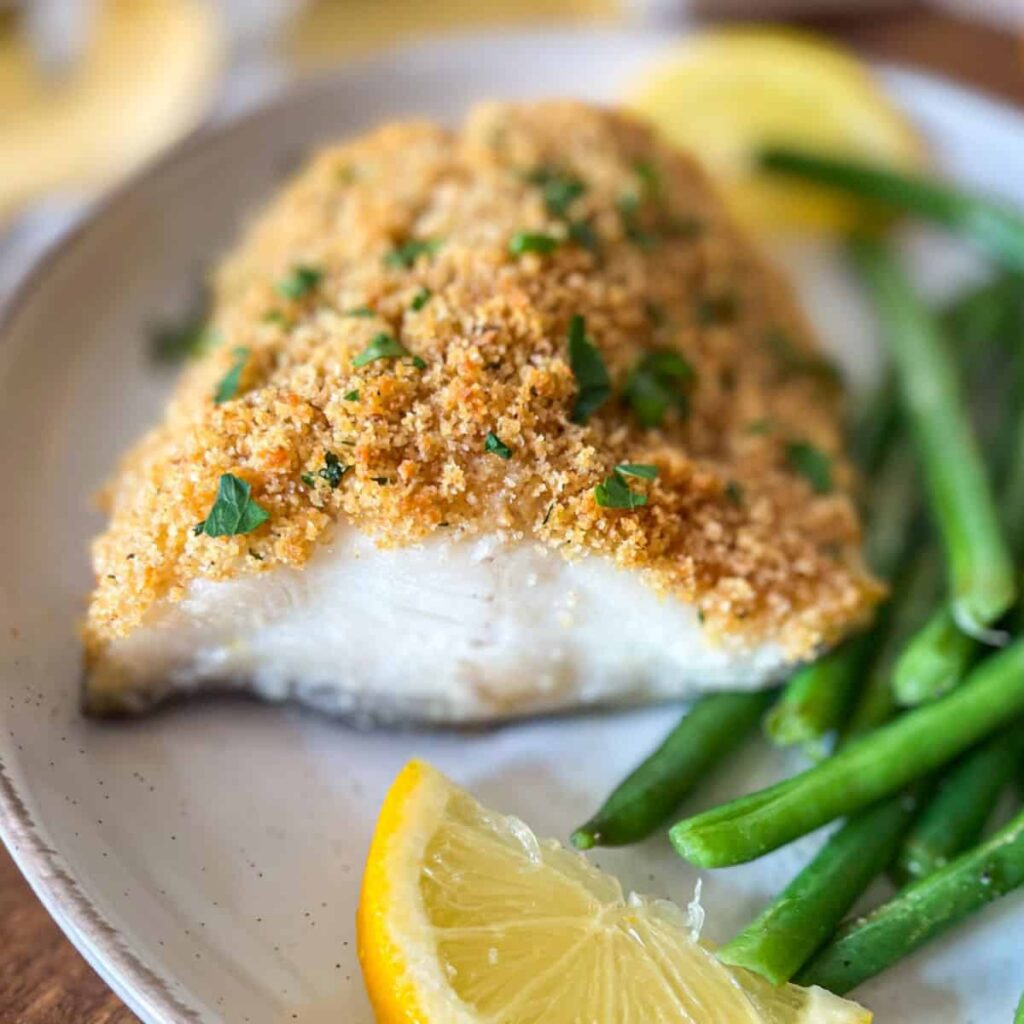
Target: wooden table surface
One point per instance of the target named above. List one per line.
(43, 980)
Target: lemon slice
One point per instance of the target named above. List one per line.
(466, 917)
(725, 94)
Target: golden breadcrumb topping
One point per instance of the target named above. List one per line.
(473, 251)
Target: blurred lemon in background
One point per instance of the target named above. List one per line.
(723, 95)
(145, 74)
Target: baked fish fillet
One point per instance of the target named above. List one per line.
(498, 421)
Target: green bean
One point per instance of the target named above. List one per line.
(981, 577)
(988, 311)
(815, 701)
(916, 592)
(920, 912)
(818, 697)
(954, 818)
(938, 656)
(892, 511)
(780, 940)
(874, 426)
(1011, 494)
(986, 327)
(994, 226)
(1018, 1017)
(991, 310)
(788, 931)
(934, 660)
(709, 731)
(867, 770)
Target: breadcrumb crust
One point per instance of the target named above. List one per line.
(729, 524)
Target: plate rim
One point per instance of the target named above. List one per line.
(144, 991)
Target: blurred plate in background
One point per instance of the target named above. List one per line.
(144, 73)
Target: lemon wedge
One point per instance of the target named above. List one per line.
(725, 94)
(466, 917)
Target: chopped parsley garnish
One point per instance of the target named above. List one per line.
(420, 299)
(663, 223)
(761, 426)
(191, 338)
(383, 346)
(734, 492)
(659, 381)
(717, 309)
(637, 469)
(308, 479)
(650, 180)
(629, 208)
(560, 191)
(628, 204)
(228, 386)
(793, 360)
(812, 464)
(363, 311)
(592, 380)
(351, 396)
(532, 241)
(334, 469)
(655, 313)
(301, 281)
(582, 234)
(233, 511)
(614, 491)
(494, 445)
(274, 316)
(404, 256)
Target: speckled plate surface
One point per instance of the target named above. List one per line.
(207, 860)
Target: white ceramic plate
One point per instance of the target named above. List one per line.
(207, 860)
